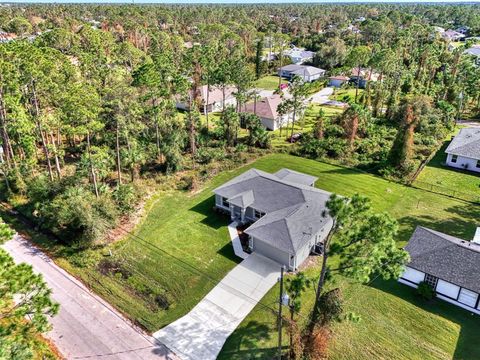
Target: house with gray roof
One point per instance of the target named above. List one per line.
(464, 150)
(288, 215)
(306, 73)
(449, 264)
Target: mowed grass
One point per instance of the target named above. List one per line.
(345, 94)
(394, 323)
(456, 182)
(181, 249)
(269, 82)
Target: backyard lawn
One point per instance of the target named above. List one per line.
(181, 249)
(456, 182)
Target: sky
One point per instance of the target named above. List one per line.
(233, 1)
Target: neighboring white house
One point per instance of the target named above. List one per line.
(449, 264)
(474, 51)
(464, 150)
(267, 110)
(299, 56)
(214, 100)
(306, 73)
(285, 210)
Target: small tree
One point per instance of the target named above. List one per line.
(230, 123)
(25, 305)
(364, 243)
(295, 287)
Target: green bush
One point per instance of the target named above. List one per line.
(425, 291)
(126, 198)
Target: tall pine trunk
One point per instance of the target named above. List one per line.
(117, 150)
(40, 131)
(92, 167)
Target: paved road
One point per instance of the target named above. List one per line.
(201, 333)
(321, 97)
(86, 327)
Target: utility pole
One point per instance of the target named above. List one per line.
(280, 300)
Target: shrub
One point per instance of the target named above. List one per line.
(425, 291)
(125, 198)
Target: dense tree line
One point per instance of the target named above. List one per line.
(88, 94)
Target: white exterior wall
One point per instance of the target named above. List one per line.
(304, 252)
(446, 291)
(463, 163)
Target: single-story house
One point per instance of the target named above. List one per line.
(363, 75)
(214, 101)
(7, 37)
(267, 110)
(299, 56)
(449, 264)
(452, 35)
(464, 150)
(306, 73)
(337, 81)
(288, 215)
(474, 51)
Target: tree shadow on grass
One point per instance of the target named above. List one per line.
(212, 218)
(243, 343)
(463, 227)
(467, 343)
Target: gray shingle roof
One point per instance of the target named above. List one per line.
(295, 176)
(243, 200)
(302, 70)
(466, 143)
(294, 210)
(446, 257)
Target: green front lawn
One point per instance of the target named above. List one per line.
(345, 95)
(269, 82)
(438, 177)
(181, 249)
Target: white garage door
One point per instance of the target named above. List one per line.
(271, 252)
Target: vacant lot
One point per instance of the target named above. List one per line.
(181, 249)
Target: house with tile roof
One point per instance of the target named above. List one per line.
(288, 215)
(448, 264)
(464, 150)
(267, 110)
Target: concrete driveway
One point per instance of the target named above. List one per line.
(86, 327)
(201, 333)
(321, 97)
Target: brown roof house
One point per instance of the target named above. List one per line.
(214, 100)
(267, 110)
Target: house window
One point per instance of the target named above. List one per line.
(225, 202)
(258, 214)
(454, 158)
(478, 164)
(431, 280)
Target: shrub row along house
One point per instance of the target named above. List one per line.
(448, 264)
(287, 213)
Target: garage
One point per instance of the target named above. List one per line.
(271, 252)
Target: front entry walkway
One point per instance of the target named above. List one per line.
(237, 245)
(201, 333)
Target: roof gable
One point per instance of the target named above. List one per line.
(466, 143)
(446, 257)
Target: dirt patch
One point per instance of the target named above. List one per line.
(311, 261)
(113, 267)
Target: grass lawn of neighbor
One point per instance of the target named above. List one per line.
(456, 182)
(269, 82)
(343, 94)
(181, 249)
